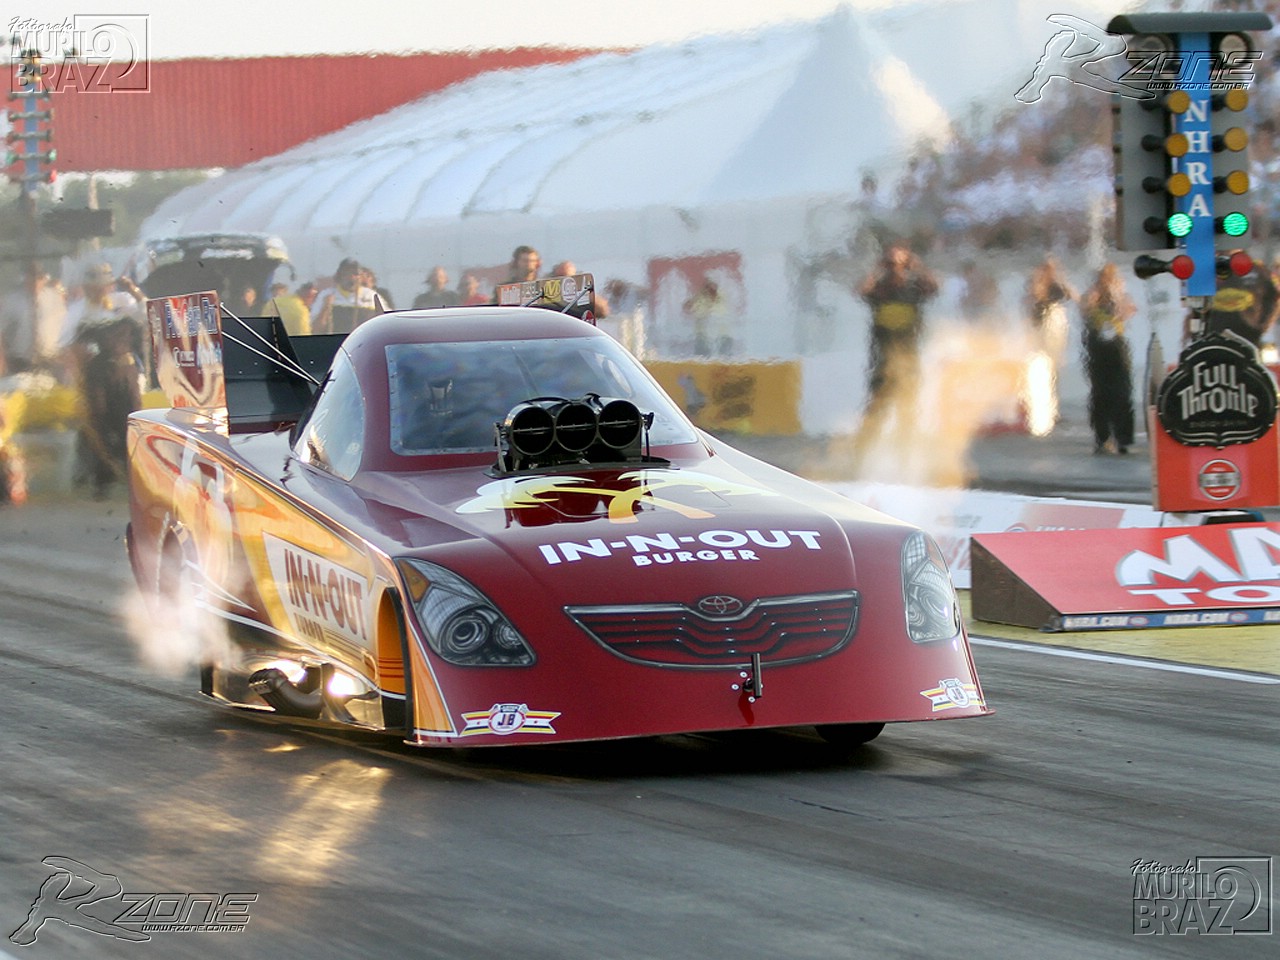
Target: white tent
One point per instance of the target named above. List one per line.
(742, 151)
(607, 161)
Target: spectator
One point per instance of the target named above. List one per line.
(31, 320)
(523, 268)
(1244, 305)
(345, 305)
(103, 299)
(437, 293)
(469, 294)
(707, 311)
(566, 268)
(245, 301)
(896, 292)
(1106, 308)
(293, 308)
(382, 296)
(1047, 294)
(102, 338)
(112, 390)
(525, 261)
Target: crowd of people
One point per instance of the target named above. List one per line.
(92, 337)
(899, 287)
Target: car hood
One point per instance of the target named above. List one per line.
(664, 532)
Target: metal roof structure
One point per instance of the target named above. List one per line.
(799, 109)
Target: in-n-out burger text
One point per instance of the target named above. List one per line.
(1251, 578)
(667, 548)
(1215, 388)
(322, 598)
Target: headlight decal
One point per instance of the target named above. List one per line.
(461, 624)
(932, 609)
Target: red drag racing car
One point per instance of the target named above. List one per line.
(489, 526)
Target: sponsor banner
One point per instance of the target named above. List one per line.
(745, 397)
(186, 336)
(1217, 573)
(1142, 621)
(951, 517)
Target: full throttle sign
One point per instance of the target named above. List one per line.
(1219, 394)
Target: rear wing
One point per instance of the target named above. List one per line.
(574, 295)
(246, 371)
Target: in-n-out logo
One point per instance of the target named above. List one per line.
(663, 549)
(90, 53)
(1251, 577)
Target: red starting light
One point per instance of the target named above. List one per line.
(1180, 266)
(1239, 263)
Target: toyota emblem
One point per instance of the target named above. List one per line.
(720, 605)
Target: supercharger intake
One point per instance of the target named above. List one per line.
(555, 431)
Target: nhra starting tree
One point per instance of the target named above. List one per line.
(1182, 132)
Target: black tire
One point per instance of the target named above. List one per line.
(846, 735)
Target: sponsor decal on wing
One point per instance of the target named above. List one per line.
(953, 693)
(507, 718)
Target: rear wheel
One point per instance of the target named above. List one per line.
(845, 735)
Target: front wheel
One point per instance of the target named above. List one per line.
(845, 735)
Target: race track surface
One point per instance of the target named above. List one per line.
(1007, 837)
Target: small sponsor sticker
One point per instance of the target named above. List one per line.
(504, 719)
(1220, 479)
(951, 693)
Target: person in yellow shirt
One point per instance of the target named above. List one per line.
(293, 308)
(896, 292)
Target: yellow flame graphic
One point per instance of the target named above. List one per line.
(514, 494)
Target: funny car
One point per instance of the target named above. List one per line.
(489, 525)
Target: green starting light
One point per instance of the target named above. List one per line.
(1235, 224)
(1179, 225)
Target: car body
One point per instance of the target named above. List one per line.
(398, 552)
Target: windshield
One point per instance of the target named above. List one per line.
(446, 397)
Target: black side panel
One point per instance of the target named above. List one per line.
(263, 390)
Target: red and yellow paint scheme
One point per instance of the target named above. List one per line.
(402, 555)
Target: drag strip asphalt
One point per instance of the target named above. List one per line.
(1010, 836)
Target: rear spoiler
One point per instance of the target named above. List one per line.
(246, 371)
(266, 388)
(575, 295)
